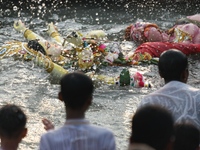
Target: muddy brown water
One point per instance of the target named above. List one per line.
(29, 86)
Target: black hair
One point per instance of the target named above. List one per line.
(171, 64)
(152, 125)
(35, 45)
(12, 121)
(187, 137)
(76, 88)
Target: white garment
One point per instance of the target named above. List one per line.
(78, 134)
(179, 98)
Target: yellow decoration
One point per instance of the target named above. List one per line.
(181, 36)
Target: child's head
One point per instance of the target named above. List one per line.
(76, 90)
(187, 137)
(152, 125)
(12, 122)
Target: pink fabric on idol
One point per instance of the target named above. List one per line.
(156, 48)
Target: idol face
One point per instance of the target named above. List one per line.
(85, 58)
(51, 49)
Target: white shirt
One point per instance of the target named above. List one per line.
(78, 134)
(181, 99)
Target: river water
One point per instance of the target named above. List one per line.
(29, 86)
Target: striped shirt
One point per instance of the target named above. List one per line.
(78, 134)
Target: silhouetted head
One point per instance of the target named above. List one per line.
(187, 137)
(76, 90)
(35, 45)
(12, 121)
(153, 126)
(173, 65)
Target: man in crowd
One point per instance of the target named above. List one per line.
(182, 100)
(77, 132)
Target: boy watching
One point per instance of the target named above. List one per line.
(77, 133)
(12, 126)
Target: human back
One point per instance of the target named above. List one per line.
(181, 99)
(76, 91)
(83, 136)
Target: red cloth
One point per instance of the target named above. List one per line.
(156, 48)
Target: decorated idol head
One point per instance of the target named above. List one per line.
(51, 49)
(146, 32)
(86, 58)
(137, 31)
(45, 47)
